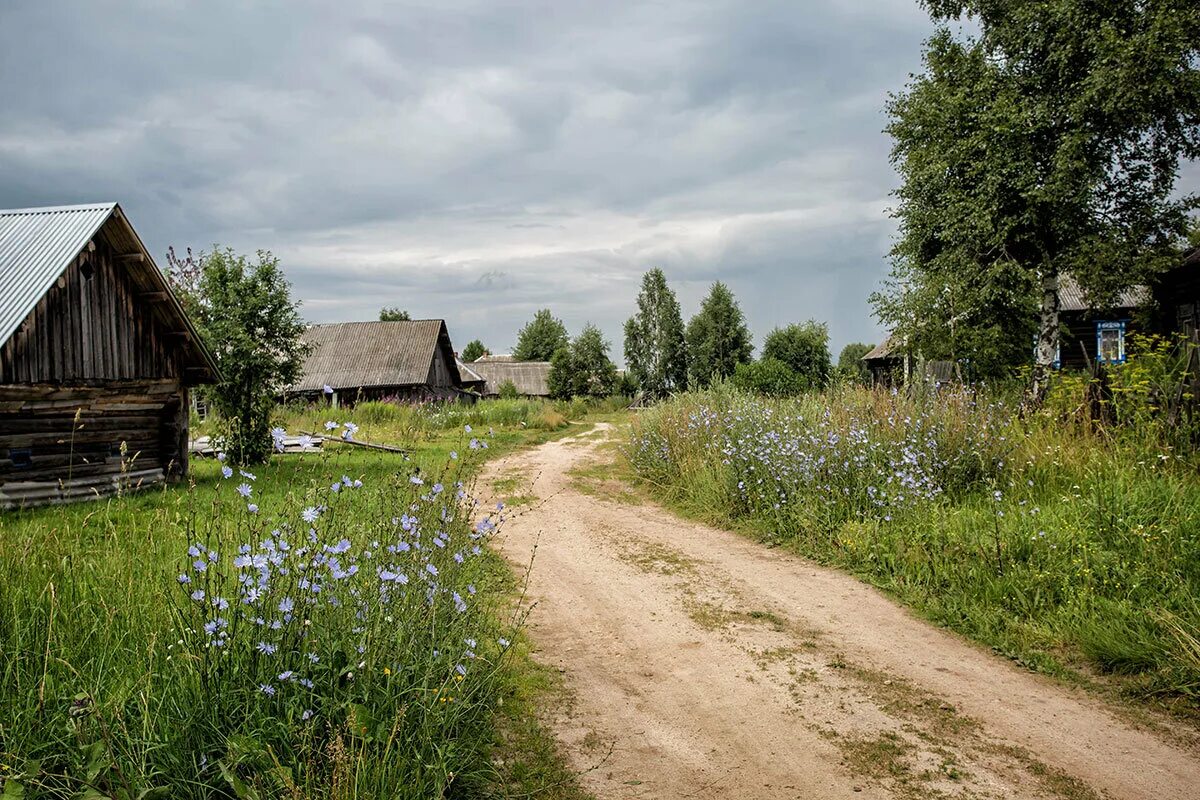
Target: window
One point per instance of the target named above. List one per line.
(21, 457)
(1110, 341)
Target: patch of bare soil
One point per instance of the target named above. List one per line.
(706, 665)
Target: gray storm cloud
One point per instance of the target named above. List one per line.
(477, 161)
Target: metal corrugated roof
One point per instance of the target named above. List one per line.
(530, 377)
(36, 246)
(349, 355)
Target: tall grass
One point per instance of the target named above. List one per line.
(325, 628)
(1072, 550)
(408, 422)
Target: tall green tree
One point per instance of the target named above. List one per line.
(244, 310)
(1043, 138)
(393, 314)
(473, 350)
(850, 366)
(541, 338)
(583, 369)
(655, 348)
(717, 338)
(802, 348)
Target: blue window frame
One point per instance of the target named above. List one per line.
(1110, 341)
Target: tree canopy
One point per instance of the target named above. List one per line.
(473, 350)
(655, 349)
(804, 349)
(850, 366)
(393, 314)
(1045, 140)
(541, 338)
(583, 369)
(717, 338)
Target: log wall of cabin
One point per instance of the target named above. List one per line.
(91, 396)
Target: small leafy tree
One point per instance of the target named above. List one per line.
(850, 366)
(393, 314)
(768, 376)
(583, 369)
(473, 350)
(717, 338)
(245, 313)
(541, 338)
(804, 349)
(655, 348)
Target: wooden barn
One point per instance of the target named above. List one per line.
(531, 378)
(96, 359)
(408, 361)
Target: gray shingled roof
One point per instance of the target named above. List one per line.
(885, 349)
(38, 244)
(349, 355)
(530, 377)
(1071, 297)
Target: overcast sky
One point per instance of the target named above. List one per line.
(480, 160)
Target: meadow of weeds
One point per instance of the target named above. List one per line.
(329, 625)
(1072, 549)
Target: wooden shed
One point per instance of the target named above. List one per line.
(406, 361)
(96, 359)
(886, 363)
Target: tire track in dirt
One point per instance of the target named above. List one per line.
(715, 667)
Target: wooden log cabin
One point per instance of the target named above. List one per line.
(96, 359)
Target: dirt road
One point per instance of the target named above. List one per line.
(712, 666)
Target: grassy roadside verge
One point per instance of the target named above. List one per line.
(97, 696)
(1073, 555)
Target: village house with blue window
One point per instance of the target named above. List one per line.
(1089, 334)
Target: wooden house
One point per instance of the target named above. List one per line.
(1177, 296)
(406, 361)
(96, 359)
(1090, 334)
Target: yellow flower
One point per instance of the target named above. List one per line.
(387, 670)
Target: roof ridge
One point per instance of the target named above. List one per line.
(57, 209)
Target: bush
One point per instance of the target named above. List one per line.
(803, 348)
(508, 391)
(770, 377)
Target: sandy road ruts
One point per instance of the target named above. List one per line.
(715, 667)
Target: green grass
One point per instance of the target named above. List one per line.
(110, 688)
(1072, 552)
